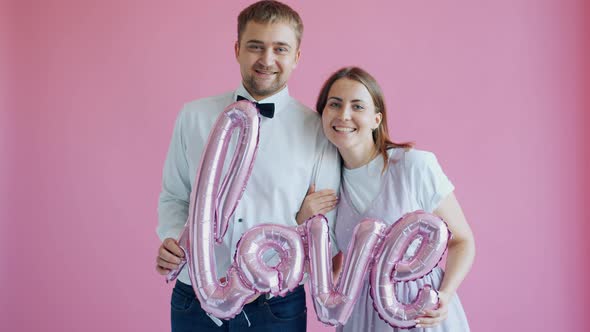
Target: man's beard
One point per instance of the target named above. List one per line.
(258, 89)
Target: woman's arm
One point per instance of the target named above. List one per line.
(337, 266)
(461, 246)
(460, 256)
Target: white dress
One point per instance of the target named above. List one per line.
(413, 181)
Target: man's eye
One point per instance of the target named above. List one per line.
(282, 50)
(255, 47)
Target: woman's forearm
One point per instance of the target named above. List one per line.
(459, 260)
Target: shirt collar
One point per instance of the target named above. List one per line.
(280, 99)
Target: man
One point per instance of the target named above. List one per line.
(293, 155)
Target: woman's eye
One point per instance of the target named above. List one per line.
(334, 105)
(358, 107)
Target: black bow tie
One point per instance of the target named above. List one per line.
(266, 109)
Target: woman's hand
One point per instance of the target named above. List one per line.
(316, 202)
(432, 318)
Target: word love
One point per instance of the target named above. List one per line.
(375, 247)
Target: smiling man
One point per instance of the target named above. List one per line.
(293, 155)
(267, 54)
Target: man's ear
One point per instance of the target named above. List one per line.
(297, 58)
(237, 48)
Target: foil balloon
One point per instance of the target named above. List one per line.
(391, 266)
(334, 303)
(382, 251)
(212, 204)
(262, 239)
(375, 248)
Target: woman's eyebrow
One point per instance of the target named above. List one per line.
(352, 101)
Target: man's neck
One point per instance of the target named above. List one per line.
(258, 97)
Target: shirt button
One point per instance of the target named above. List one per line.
(240, 219)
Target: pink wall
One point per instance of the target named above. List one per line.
(7, 148)
(89, 91)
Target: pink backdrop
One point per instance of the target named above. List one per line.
(90, 89)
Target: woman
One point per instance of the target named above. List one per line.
(385, 180)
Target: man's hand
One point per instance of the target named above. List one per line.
(316, 202)
(170, 256)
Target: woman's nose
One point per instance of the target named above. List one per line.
(345, 113)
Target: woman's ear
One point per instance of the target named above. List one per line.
(378, 118)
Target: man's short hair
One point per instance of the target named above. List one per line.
(269, 11)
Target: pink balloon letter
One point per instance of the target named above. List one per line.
(283, 277)
(207, 222)
(390, 267)
(333, 305)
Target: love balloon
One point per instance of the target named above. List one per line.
(376, 248)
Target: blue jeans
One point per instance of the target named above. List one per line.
(278, 314)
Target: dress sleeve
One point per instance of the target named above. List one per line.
(429, 182)
(175, 195)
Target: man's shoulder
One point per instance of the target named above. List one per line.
(308, 119)
(304, 109)
(309, 122)
(208, 105)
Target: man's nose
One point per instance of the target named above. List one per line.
(267, 57)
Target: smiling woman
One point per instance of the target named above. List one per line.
(403, 181)
(349, 119)
(352, 93)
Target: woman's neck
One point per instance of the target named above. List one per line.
(355, 158)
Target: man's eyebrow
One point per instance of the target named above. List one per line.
(254, 41)
(278, 43)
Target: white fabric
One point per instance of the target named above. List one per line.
(427, 179)
(413, 181)
(364, 317)
(292, 153)
(363, 183)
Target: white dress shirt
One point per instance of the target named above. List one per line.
(292, 154)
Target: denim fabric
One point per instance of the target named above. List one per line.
(289, 313)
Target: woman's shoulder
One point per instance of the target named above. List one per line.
(410, 155)
(412, 158)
